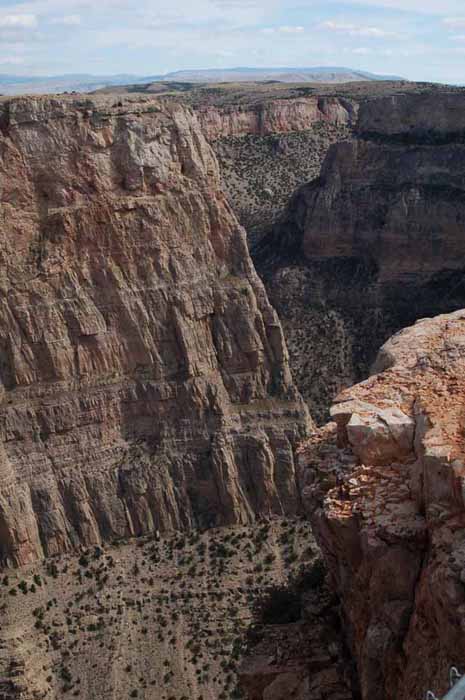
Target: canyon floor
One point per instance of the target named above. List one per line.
(162, 619)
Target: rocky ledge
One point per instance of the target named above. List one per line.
(144, 379)
(384, 485)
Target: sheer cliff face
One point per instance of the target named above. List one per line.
(388, 509)
(372, 245)
(394, 198)
(144, 377)
(280, 116)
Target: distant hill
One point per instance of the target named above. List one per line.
(33, 85)
(14, 84)
(319, 74)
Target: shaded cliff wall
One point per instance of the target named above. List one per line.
(373, 244)
(144, 379)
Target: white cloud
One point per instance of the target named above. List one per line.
(18, 21)
(154, 36)
(291, 30)
(359, 30)
(68, 20)
(421, 6)
(285, 29)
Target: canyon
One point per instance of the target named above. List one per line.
(189, 278)
(353, 202)
(385, 220)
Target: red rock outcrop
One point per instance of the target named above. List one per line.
(388, 508)
(144, 380)
(275, 116)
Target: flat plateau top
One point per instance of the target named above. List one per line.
(253, 93)
(223, 94)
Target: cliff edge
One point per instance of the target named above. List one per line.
(385, 488)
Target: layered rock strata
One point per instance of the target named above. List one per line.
(374, 243)
(144, 379)
(279, 116)
(384, 487)
(267, 149)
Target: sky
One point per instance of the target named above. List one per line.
(416, 39)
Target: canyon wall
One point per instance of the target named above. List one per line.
(280, 116)
(374, 243)
(269, 143)
(144, 379)
(384, 486)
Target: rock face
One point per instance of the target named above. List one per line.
(144, 379)
(269, 151)
(387, 504)
(275, 116)
(267, 148)
(374, 243)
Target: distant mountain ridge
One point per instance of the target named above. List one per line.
(15, 84)
(288, 75)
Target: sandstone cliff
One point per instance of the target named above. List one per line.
(279, 116)
(388, 508)
(144, 379)
(268, 150)
(374, 243)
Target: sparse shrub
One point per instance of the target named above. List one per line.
(52, 569)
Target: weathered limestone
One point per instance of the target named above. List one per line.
(388, 508)
(275, 116)
(144, 379)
